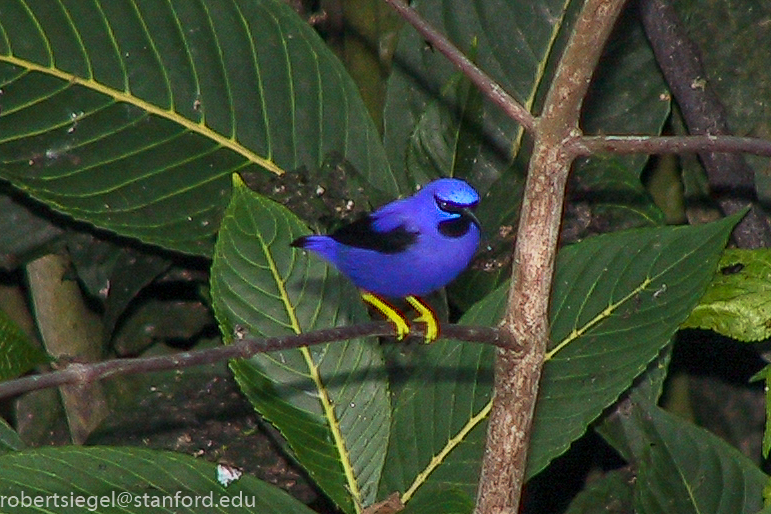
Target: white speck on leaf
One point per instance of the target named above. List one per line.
(226, 474)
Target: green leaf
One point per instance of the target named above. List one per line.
(765, 375)
(132, 117)
(737, 302)
(446, 140)
(611, 493)
(683, 468)
(330, 401)
(440, 415)
(610, 186)
(617, 300)
(441, 501)
(9, 438)
(628, 93)
(19, 354)
(130, 480)
(511, 41)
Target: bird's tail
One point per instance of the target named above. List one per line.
(323, 245)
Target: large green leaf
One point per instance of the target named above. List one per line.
(331, 401)
(132, 116)
(440, 414)
(617, 300)
(446, 141)
(441, 501)
(683, 468)
(111, 479)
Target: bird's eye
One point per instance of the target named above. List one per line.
(451, 207)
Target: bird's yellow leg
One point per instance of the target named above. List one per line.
(427, 316)
(394, 316)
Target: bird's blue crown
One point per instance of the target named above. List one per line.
(453, 191)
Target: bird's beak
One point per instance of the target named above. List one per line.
(467, 212)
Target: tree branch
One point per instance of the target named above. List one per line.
(244, 347)
(731, 179)
(590, 145)
(527, 320)
(491, 89)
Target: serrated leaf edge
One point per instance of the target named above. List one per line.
(326, 402)
(124, 97)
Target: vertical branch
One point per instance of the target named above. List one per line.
(527, 321)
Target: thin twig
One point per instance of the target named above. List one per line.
(81, 373)
(590, 145)
(490, 88)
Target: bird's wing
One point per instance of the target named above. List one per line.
(392, 216)
(385, 231)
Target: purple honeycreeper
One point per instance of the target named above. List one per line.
(407, 248)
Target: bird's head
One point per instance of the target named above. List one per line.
(455, 202)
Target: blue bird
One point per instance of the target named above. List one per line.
(406, 249)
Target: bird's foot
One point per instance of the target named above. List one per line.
(394, 316)
(427, 316)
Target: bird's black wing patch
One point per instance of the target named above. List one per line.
(361, 234)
